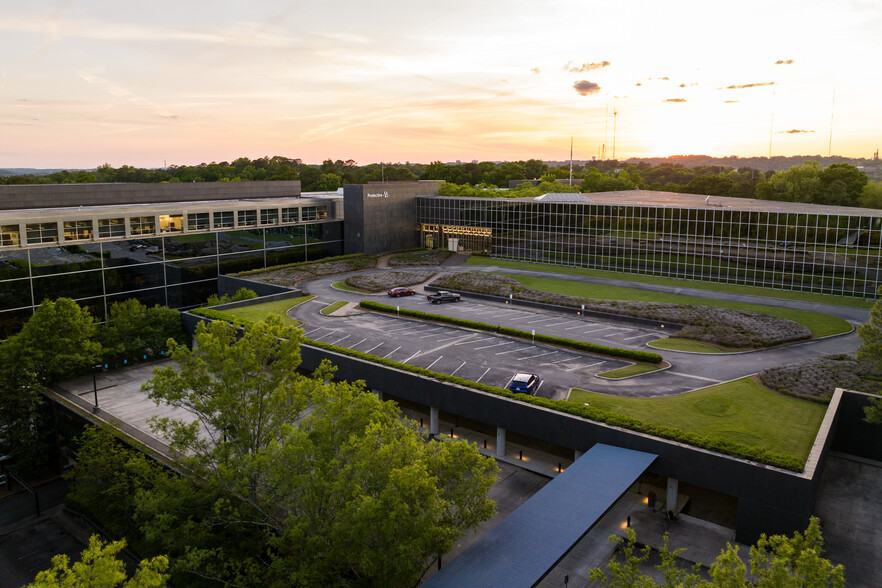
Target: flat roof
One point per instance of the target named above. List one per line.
(654, 198)
(522, 548)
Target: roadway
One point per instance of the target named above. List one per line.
(493, 359)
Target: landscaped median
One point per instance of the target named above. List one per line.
(708, 441)
(633, 354)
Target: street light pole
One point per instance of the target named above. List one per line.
(95, 386)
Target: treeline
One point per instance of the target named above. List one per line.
(841, 184)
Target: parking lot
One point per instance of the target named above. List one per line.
(474, 355)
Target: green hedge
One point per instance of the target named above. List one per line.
(634, 354)
(732, 448)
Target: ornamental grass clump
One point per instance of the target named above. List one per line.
(383, 281)
(722, 326)
(817, 379)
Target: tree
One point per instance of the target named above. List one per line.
(133, 330)
(871, 351)
(775, 562)
(351, 493)
(58, 341)
(100, 568)
(798, 184)
(842, 183)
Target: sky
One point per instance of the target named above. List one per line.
(88, 82)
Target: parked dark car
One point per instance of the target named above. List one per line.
(524, 383)
(442, 296)
(396, 292)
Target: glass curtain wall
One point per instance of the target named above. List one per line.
(178, 270)
(830, 254)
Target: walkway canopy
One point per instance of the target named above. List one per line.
(521, 549)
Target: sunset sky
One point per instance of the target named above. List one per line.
(142, 83)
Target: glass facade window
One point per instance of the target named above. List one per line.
(309, 213)
(42, 232)
(143, 225)
(111, 227)
(269, 216)
(247, 218)
(79, 229)
(171, 223)
(9, 235)
(803, 250)
(321, 212)
(198, 221)
(290, 215)
(223, 219)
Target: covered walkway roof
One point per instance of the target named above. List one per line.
(522, 548)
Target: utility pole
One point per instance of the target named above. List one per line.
(571, 161)
(615, 118)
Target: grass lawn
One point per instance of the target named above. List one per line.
(821, 325)
(743, 411)
(752, 290)
(341, 285)
(685, 345)
(258, 312)
(631, 370)
(332, 307)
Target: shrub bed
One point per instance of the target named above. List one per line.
(294, 273)
(634, 354)
(727, 327)
(384, 281)
(421, 257)
(817, 379)
(714, 444)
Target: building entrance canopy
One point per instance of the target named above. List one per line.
(521, 549)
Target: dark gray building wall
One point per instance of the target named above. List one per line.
(16, 197)
(854, 436)
(228, 285)
(382, 217)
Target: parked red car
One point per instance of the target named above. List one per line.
(396, 292)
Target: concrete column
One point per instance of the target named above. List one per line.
(671, 500)
(433, 420)
(500, 442)
(379, 394)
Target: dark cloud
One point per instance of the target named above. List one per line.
(619, 97)
(682, 85)
(536, 70)
(638, 84)
(666, 78)
(573, 68)
(784, 62)
(674, 100)
(586, 88)
(731, 101)
(794, 132)
(753, 85)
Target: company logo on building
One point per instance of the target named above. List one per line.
(383, 195)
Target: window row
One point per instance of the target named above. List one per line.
(83, 229)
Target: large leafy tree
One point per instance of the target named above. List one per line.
(871, 351)
(775, 562)
(342, 489)
(133, 330)
(100, 568)
(57, 341)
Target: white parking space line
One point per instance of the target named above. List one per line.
(457, 369)
(558, 324)
(311, 331)
(494, 345)
(372, 348)
(595, 330)
(328, 334)
(434, 362)
(638, 336)
(514, 350)
(541, 321)
(482, 375)
(696, 377)
(503, 314)
(540, 355)
(456, 337)
(412, 356)
(590, 365)
(613, 335)
(475, 341)
(580, 326)
(391, 352)
(432, 331)
(359, 343)
(564, 360)
(402, 329)
(341, 339)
